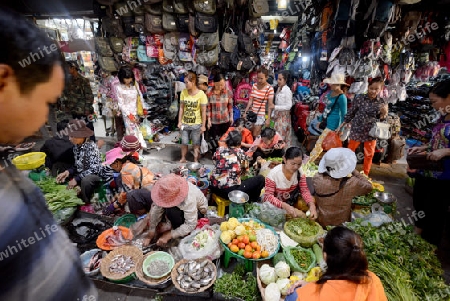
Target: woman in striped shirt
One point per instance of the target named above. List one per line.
(261, 96)
(284, 180)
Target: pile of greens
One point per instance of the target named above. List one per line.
(405, 263)
(364, 200)
(309, 169)
(238, 284)
(57, 196)
(302, 226)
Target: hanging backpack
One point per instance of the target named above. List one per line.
(142, 55)
(169, 22)
(206, 23)
(180, 7)
(170, 45)
(154, 9)
(107, 64)
(153, 24)
(102, 47)
(242, 93)
(182, 23)
(225, 60)
(380, 13)
(168, 6)
(207, 41)
(258, 8)
(254, 27)
(229, 40)
(112, 26)
(245, 44)
(185, 47)
(205, 6)
(208, 58)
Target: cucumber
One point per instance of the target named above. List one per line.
(319, 256)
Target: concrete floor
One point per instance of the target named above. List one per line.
(164, 156)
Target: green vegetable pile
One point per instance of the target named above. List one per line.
(238, 284)
(302, 226)
(275, 159)
(57, 196)
(302, 257)
(309, 169)
(364, 200)
(405, 263)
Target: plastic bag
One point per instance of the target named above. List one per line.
(173, 110)
(377, 217)
(332, 140)
(206, 244)
(269, 214)
(295, 266)
(146, 129)
(204, 145)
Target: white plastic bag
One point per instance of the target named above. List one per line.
(204, 145)
(146, 129)
(211, 249)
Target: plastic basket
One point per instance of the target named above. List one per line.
(126, 220)
(29, 161)
(158, 256)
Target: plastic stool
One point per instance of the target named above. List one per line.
(228, 255)
(221, 204)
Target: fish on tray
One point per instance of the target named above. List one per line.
(94, 263)
(121, 264)
(116, 239)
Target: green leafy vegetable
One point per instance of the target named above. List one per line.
(302, 226)
(57, 196)
(238, 284)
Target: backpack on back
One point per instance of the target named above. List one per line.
(242, 92)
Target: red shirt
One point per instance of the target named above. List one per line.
(246, 136)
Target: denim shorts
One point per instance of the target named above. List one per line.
(191, 132)
(260, 120)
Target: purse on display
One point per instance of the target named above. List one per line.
(380, 130)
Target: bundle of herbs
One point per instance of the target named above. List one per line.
(238, 284)
(406, 264)
(57, 196)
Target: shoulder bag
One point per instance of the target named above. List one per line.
(380, 130)
(252, 116)
(323, 123)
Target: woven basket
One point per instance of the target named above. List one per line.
(147, 280)
(262, 286)
(136, 256)
(175, 274)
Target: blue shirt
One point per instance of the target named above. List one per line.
(338, 111)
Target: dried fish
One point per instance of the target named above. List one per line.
(158, 267)
(121, 264)
(203, 263)
(196, 285)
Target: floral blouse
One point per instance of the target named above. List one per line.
(362, 116)
(127, 99)
(87, 161)
(227, 170)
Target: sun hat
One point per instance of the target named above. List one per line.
(130, 143)
(77, 129)
(338, 162)
(170, 191)
(113, 155)
(202, 79)
(336, 79)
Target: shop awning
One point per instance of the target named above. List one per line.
(52, 8)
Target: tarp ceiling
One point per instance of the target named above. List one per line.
(52, 8)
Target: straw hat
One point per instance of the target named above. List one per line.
(336, 79)
(113, 155)
(77, 129)
(202, 79)
(130, 143)
(170, 191)
(338, 162)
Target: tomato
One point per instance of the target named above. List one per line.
(234, 248)
(245, 239)
(256, 255)
(240, 237)
(248, 248)
(235, 241)
(264, 254)
(248, 255)
(241, 245)
(254, 245)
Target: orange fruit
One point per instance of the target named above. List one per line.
(241, 245)
(229, 245)
(256, 255)
(248, 255)
(240, 238)
(245, 239)
(234, 248)
(248, 248)
(258, 248)
(264, 254)
(235, 241)
(254, 245)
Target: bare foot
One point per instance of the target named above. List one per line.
(183, 161)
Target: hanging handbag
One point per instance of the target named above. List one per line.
(323, 123)
(229, 40)
(380, 130)
(139, 106)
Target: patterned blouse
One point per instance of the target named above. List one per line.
(87, 161)
(219, 107)
(127, 99)
(227, 170)
(362, 116)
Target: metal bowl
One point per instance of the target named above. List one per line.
(193, 166)
(238, 197)
(377, 195)
(386, 198)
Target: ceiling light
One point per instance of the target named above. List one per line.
(282, 4)
(305, 59)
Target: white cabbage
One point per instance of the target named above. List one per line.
(282, 270)
(267, 274)
(272, 292)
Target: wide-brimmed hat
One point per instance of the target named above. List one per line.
(170, 191)
(336, 79)
(113, 155)
(202, 79)
(130, 143)
(77, 129)
(338, 162)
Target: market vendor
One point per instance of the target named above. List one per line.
(336, 184)
(132, 177)
(230, 164)
(347, 274)
(88, 172)
(181, 202)
(247, 138)
(269, 144)
(285, 183)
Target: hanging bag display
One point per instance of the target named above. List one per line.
(153, 24)
(229, 40)
(169, 22)
(205, 6)
(206, 23)
(139, 106)
(207, 41)
(182, 23)
(380, 130)
(102, 47)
